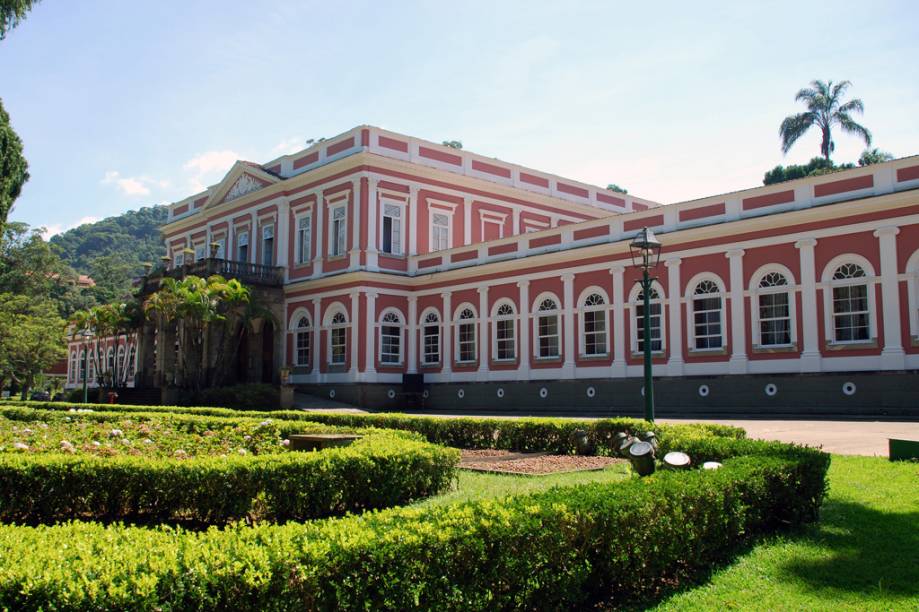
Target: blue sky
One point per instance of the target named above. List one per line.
(125, 104)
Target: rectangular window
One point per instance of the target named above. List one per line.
(655, 322)
(304, 239)
(707, 321)
(774, 320)
(440, 232)
(180, 259)
(850, 313)
(338, 342)
(337, 237)
(431, 343)
(200, 252)
(392, 229)
(268, 245)
(221, 248)
(594, 333)
(242, 246)
(547, 336)
(303, 347)
(504, 337)
(466, 341)
(390, 344)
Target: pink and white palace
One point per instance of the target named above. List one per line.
(511, 288)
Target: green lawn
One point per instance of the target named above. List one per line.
(478, 485)
(863, 555)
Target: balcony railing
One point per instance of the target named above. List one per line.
(247, 273)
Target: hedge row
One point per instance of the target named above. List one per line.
(382, 469)
(557, 435)
(565, 548)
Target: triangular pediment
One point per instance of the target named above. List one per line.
(242, 179)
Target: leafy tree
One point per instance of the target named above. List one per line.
(108, 322)
(31, 339)
(13, 166)
(815, 167)
(12, 12)
(112, 276)
(615, 187)
(453, 144)
(825, 109)
(874, 156)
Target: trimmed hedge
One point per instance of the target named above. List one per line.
(555, 435)
(562, 549)
(382, 469)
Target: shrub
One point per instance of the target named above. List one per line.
(565, 548)
(240, 397)
(44, 484)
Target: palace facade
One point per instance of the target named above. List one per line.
(397, 266)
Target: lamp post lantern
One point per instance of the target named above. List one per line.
(86, 337)
(646, 253)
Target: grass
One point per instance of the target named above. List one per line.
(862, 555)
(481, 485)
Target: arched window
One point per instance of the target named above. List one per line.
(851, 309)
(391, 338)
(303, 335)
(122, 366)
(707, 317)
(81, 367)
(547, 344)
(338, 339)
(774, 310)
(654, 319)
(505, 333)
(594, 325)
(110, 361)
(430, 330)
(466, 331)
(92, 367)
(131, 367)
(72, 370)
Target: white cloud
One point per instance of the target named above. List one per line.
(288, 146)
(208, 168)
(58, 228)
(130, 185)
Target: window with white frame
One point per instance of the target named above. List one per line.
(268, 245)
(440, 231)
(430, 331)
(304, 238)
(72, 373)
(132, 362)
(179, 259)
(110, 361)
(338, 339)
(81, 368)
(391, 339)
(200, 252)
(242, 246)
(654, 320)
(92, 367)
(851, 312)
(466, 331)
(122, 366)
(338, 224)
(505, 333)
(221, 248)
(547, 329)
(773, 303)
(303, 337)
(593, 325)
(707, 308)
(392, 229)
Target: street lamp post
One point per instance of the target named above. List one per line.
(86, 336)
(646, 253)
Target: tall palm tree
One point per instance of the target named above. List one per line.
(824, 110)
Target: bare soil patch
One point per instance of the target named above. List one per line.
(531, 464)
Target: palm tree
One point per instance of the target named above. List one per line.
(824, 110)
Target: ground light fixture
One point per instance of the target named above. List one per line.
(646, 254)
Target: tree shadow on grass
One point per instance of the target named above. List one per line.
(863, 551)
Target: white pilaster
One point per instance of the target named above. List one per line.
(738, 361)
(412, 365)
(255, 238)
(283, 235)
(618, 339)
(373, 210)
(447, 348)
(523, 329)
(317, 340)
(319, 220)
(810, 353)
(892, 356)
(482, 373)
(516, 221)
(352, 372)
(568, 310)
(413, 220)
(467, 221)
(370, 370)
(355, 252)
(675, 335)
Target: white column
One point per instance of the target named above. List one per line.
(412, 335)
(738, 361)
(447, 348)
(618, 339)
(283, 235)
(372, 212)
(355, 251)
(892, 356)
(483, 334)
(516, 222)
(675, 335)
(523, 329)
(810, 353)
(354, 335)
(318, 219)
(413, 220)
(568, 309)
(467, 221)
(317, 339)
(370, 370)
(254, 239)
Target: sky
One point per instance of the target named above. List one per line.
(127, 104)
